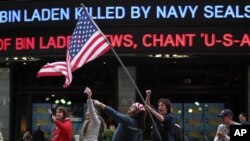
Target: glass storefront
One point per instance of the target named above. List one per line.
(198, 121)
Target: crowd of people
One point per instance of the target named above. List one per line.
(131, 125)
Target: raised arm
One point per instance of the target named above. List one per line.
(115, 115)
(158, 116)
(150, 109)
(148, 97)
(92, 112)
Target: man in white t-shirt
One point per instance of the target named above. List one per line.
(223, 129)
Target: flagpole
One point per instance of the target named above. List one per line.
(126, 70)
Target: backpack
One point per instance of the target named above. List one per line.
(177, 130)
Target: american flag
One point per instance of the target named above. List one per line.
(87, 43)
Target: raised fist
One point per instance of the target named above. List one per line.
(148, 92)
(88, 91)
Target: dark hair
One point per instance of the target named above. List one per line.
(166, 102)
(64, 111)
(243, 114)
(141, 116)
(103, 124)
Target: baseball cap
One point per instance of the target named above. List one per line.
(225, 112)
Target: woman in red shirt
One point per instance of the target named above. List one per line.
(63, 126)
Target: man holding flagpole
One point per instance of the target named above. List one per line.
(165, 120)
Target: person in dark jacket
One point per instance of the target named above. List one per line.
(38, 134)
(131, 125)
(243, 118)
(165, 119)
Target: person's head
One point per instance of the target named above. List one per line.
(38, 126)
(138, 110)
(62, 113)
(242, 117)
(226, 116)
(164, 106)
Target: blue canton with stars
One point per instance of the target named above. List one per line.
(84, 29)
